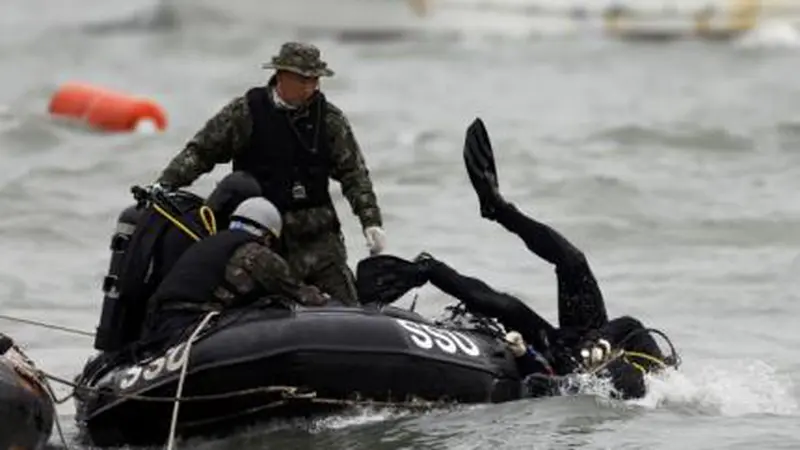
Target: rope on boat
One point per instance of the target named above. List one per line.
(78, 389)
(288, 393)
(52, 395)
(184, 364)
(47, 325)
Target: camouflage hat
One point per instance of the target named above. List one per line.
(300, 58)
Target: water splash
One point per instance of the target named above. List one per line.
(584, 384)
(357, 417)
(723, 388)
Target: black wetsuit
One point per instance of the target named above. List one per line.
(581, 309)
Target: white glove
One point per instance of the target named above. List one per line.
(597, 353)
(376, 239)
(516, 344)
(159, 188)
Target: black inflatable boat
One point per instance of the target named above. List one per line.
(329, 353)
(26, 411)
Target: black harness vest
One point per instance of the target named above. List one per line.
(200, 271)
(289, 155)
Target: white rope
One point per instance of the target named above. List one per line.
(52, 397)
(185, 363)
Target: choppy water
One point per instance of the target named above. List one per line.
(674, 167)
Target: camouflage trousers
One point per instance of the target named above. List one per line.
(321, 261)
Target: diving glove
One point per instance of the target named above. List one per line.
(158, 188)
(595, 353)
(516, 344)
(312, 296)
(424, 264)
(376, 239)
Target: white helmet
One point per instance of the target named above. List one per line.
(256, 215)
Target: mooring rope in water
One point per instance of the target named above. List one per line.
(47, 325)
(186, 353)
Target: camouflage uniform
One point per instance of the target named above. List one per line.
(206, 279)
(315, 245)
(229, 269)
(254, 264)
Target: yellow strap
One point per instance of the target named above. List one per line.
(638, 366)
(647, 357)
(209, 221)
(176, 222)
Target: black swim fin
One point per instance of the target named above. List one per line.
(385, 278)
(479, 160)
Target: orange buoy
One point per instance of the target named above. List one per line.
(105, 109)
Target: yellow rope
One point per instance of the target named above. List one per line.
(176, 222)
(637, 366)
(209, 221)
(646, 357)
(206, 215)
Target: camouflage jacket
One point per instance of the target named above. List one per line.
(228, 133)
(254, 264)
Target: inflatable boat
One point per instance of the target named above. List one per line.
(258, 364)
(26, 410)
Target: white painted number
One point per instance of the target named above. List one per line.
(170, 361)
(130, 377)
(418, 335)
(449, 341)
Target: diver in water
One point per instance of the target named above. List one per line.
(585, 341)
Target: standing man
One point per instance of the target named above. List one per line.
(292, 140)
